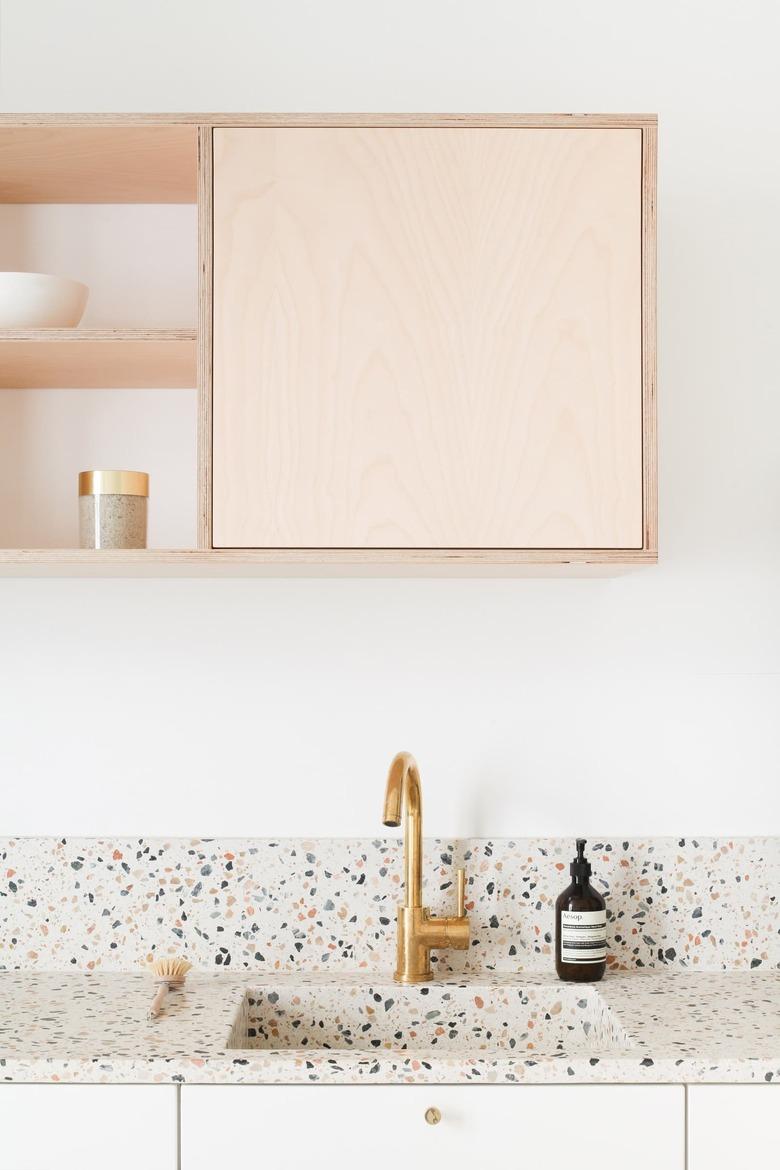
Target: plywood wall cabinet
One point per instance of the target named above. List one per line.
(424, 342)
(434, 338)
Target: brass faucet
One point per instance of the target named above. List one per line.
(418, 931)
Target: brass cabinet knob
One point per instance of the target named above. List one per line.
(433, 1115)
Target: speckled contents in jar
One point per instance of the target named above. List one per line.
(112, 521)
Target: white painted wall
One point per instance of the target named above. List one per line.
(647, 704)
(140, 261)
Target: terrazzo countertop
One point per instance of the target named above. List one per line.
(287, 937)
(659, 1026)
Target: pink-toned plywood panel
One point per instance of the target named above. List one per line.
(97, 358)
(74, 163)
(427, 338)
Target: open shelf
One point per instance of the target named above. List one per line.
(49, 435)
(97, 358)
(73, 163)
(115, 206)
(195, 562)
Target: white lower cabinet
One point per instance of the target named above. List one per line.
(297, 1127)
(553, 1127)
(88, 1127)
(732, 1127)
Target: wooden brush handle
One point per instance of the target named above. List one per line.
(157, 1002)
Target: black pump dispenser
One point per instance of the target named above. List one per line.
(580, 868)
(580, 925)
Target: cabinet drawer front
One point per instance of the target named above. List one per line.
(88, 1127)
(733, 1126)
(427, 338)
(384, 1127)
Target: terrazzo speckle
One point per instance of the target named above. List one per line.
(654, 1027)
(293, 943)
(329, 905)
(510, 1017)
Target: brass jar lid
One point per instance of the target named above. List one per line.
(113, 483)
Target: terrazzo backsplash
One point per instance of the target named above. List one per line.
(329, 905)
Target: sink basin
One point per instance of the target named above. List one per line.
(450, 1019)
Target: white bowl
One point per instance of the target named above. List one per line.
(32, 300)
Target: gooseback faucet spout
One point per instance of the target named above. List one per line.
(418, 931)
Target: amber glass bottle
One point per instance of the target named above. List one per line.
(580, 926)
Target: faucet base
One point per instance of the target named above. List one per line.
(418, 935)
(423, 977)
(413, 959)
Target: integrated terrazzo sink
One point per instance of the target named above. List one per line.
(454, 1018)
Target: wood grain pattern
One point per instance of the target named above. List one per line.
(97, 358)
(97, 163)
(428, 338)
(205, 224)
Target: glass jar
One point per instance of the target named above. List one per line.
(113, 509)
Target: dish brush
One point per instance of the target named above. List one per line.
(168, 973)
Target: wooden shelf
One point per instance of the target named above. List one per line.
(97, 359)
(73, 163)
(188, 562)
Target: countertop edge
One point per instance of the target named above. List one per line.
(351, 1070)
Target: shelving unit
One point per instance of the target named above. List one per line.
(91, 160)
(162, 159)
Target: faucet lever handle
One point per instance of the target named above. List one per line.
(461, 893)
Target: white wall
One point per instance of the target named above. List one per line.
(647, 704)
(140, 261)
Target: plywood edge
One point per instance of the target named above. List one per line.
(600, 120)
(434, 121)
(80, 336)
(425, 556)
(205, 319)
(408, 557)
(204, 564)
(649, 341)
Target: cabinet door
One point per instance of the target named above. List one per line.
(88, 1127)
(733, 1126)
(427, 338)
(384, 1127)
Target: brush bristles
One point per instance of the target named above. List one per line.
(171, 968)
